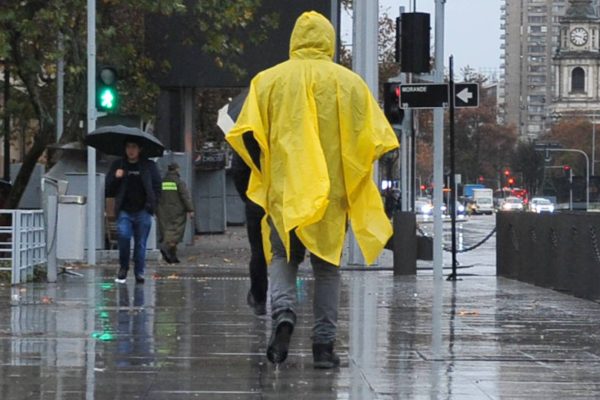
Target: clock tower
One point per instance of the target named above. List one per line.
(577, 63)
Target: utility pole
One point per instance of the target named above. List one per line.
(438, 147)
(91, 126)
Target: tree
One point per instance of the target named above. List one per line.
(530, 164)
(29, 31)
(572, 133)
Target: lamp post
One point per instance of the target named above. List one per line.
(593, 142)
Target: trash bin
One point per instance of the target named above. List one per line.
(70, 232)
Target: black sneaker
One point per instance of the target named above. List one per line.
(166, 257)
(283, 327)
(324, 357)
(121, 276)
(258, 308)
(139, 279)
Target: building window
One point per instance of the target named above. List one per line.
(578, 80)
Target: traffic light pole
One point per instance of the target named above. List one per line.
(91, 125)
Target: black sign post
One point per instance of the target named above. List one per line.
(452, 206)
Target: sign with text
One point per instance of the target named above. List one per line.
(424, 95)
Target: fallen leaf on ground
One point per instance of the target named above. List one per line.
(464, 313)
(173, 276)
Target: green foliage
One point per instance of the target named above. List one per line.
(29, 32)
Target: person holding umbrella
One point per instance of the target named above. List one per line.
(310, 131)
(135, 183)
(175, 204)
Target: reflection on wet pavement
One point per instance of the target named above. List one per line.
(191, 335)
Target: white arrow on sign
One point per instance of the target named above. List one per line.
(464, 95)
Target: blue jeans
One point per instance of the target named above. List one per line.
(136, 225)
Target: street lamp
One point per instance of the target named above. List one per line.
(593, 141)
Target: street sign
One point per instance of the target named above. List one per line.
(466, 95)
(424, 95)
(548, 145)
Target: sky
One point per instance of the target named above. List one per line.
(472, 29)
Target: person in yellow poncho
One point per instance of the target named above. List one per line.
(310, 130)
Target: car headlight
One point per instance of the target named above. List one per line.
(461, 208)
(552, 208)
(426, 209)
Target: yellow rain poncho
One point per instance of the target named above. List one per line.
(319, 131)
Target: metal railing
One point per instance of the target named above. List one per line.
(22, 243)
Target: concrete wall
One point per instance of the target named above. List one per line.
(560, 251)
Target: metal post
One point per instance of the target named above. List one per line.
(52, 213)
(60, 87)
(364, 62)
(409, 172)
(571, 189)
(594, 143)
(438, 146)
(452, 185)
(91, 125)
(6, 122)
(404, 170)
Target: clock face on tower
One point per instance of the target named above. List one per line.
(579, 36)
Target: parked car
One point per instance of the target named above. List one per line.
(512, 204)
(540, 204)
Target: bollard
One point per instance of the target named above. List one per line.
(404, 243)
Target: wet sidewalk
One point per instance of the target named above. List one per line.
(188, 334)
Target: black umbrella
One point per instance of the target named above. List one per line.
(111, 140)
(229, 113)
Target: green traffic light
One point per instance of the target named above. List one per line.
(108, 99)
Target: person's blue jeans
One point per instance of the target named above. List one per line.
(134, 225)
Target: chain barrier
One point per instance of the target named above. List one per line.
(476, 245)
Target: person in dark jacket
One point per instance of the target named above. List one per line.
(257, 295)
(135, 184)
(175, 204)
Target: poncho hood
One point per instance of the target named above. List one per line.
(313, 37)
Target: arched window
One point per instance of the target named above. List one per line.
(578, 80)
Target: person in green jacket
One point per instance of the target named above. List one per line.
(175, 204)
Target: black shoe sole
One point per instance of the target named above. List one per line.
(259, 310)
(277, 351)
